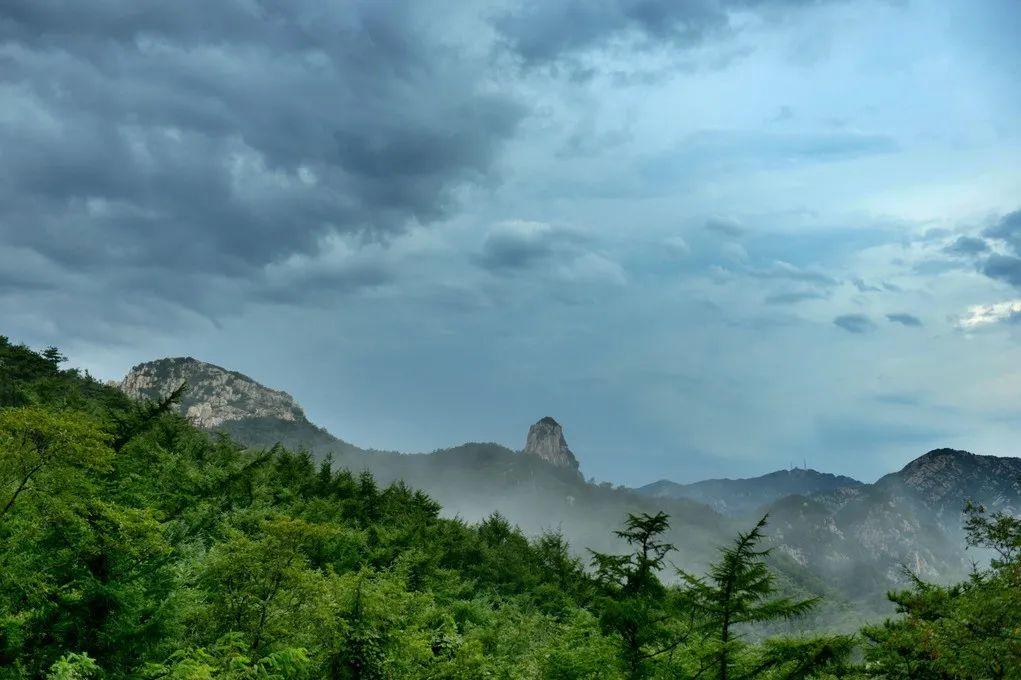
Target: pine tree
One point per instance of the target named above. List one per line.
(968, 630)
(738, 590)
(634, 604)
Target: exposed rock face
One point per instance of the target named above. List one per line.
(214, 395)
(944, 479)
(546, 440)
(911, 517)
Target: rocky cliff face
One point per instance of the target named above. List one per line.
(546, 440)
(214, 396)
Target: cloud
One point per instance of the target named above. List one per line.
(1006, 268)
(592, 268)
(899, 398)
(854, 323)
(213, 141)
(561, 257)
(864, 287)
(793, 297)
(341, 266)
(784, 113)
(984, 315)
(904, 319)
(519, 244)
(543, 32)
(725, 226)
(725, 152)
(1007, 229)
(22, 269)
(546, 32)
(787, 271)
(967, 246)
(677, 246)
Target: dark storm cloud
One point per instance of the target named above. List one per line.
(1007, 229)
(904, 319)
(854, 323)
(212, 139)
(320, 287)
(14, 283)
(542, 31)
(1006, 268)
(519, 245)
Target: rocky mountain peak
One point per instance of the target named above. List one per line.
(946, 478)
(546, 440)
(214, 395)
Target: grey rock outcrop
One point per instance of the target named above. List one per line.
(214, 395)
(546, 440)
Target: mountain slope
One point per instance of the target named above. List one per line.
(832, 535)
(864, 537)
(741, 497)
(943, 479)
(538, 490)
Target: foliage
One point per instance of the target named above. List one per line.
(739, 590)
(134, 546)
(634, 604)
(969, 630)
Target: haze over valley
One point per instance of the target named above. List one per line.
(833, 535)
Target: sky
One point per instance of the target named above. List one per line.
(712, 238)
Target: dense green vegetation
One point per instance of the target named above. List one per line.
(134, 546)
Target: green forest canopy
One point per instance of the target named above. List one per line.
(133, 545)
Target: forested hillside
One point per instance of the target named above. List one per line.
(133, 545)
(470, 480)
(833, 537)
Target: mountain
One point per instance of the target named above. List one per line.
(832, 535)
(546, 440)
(538, 489)
(943, 479)
(222, 400)
(863, 537)
(741, 497)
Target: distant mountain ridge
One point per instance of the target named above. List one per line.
(832, 535)
(944, 478)
(864, 535)
(742, 496)
(539, 488)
